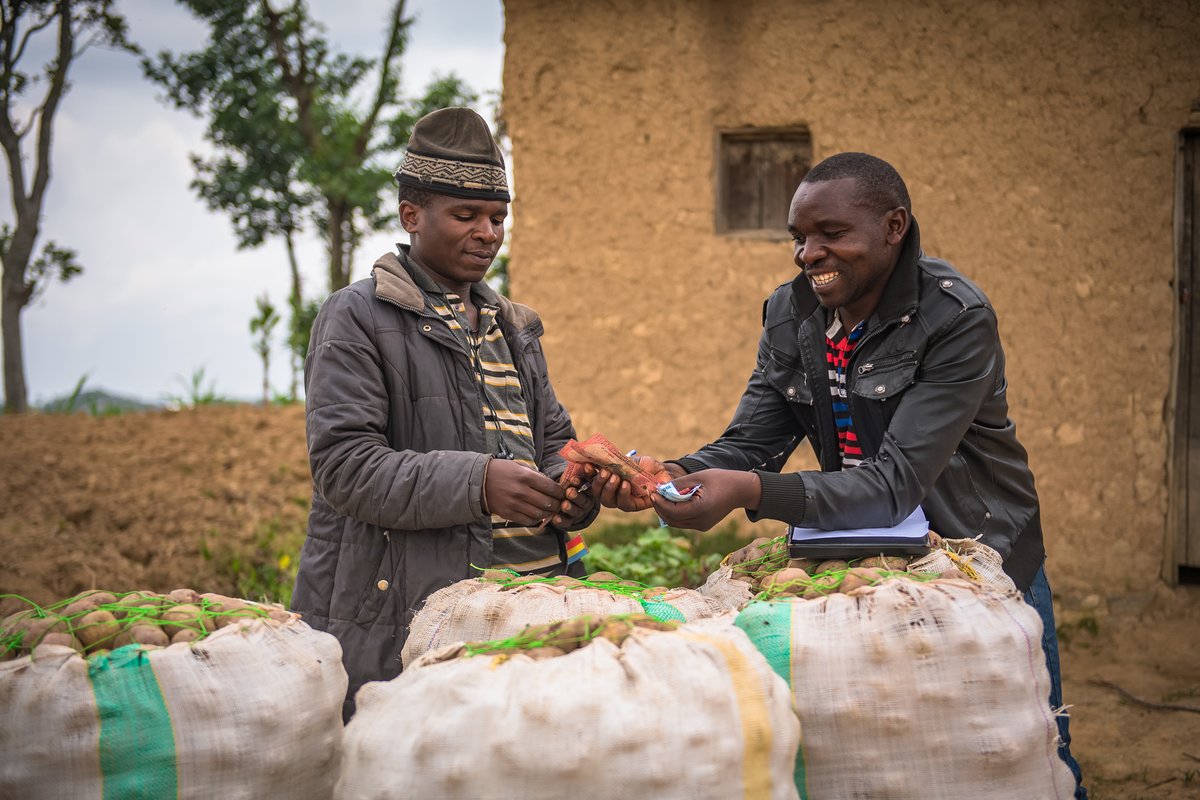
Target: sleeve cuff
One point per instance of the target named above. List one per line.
(783, 498)
(689, 464)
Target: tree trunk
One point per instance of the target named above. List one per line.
(297, 301)
(266, 357)
(339, 276)
(15, 295)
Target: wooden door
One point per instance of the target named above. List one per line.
(1183, 550)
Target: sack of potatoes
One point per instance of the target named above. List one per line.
(499, 604)
(594, 706)
(763, 568)
(181, 694)
(915, 690)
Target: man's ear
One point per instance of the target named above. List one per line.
(896, 224)
(410, 216)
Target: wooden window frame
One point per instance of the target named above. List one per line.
(800, 133)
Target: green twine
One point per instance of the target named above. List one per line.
(131, 615)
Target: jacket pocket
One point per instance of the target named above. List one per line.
(377, 591)
(783, 372)
(884, 378)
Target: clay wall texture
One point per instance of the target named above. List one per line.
(1038, 143)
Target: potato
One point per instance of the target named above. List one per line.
(281, 614)
(806, 564)
(822, 586)
(954, 573)
(496, 575)
(654, 591)
(566, 581)
(188, 596)
(96, 630)
(858, 577)
(539, 653)
(185, 635)
(603, 577)
(85, 602)
(778, 548)
(572, 634)
(137, 604)
(890, 563)
(33, 627)
(186, 617)
(615, 631)
(762, 542)
(650, 623)
(142, 634)
(743, 577)
(62, 639)
(829, 566)
(784, 579)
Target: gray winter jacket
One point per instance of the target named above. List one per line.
(396, 447)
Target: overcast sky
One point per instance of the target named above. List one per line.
(165, 291)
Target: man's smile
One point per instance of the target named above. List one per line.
(824, 279)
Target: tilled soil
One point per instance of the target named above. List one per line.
(162, 500)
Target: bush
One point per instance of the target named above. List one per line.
(659, 556)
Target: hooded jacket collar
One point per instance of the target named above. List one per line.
(899, 298)
(394, 283)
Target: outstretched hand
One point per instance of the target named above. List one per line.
(613, 492)
(519, 493)
(723, 491)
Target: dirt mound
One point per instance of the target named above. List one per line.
(155, 500)
(204, 498)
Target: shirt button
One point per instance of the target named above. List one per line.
(383, 585)
(906, 319)
(791, 391)
(426, 328)
(880, 389)
(946, 284)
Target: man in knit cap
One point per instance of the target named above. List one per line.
(433, 431)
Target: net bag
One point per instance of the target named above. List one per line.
(251, 711)
(916, 691)
(683, 715)
(481, 610)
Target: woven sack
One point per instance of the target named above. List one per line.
(729, 594)
(477, 610)
(252, 711)
(907, 691)
(685, 715)
(980, 563)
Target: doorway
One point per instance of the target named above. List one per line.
(1182, 563)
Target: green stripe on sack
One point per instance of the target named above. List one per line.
(137, 743)
(664, 612)
(769, 626)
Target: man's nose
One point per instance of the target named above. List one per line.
(487, 233)
(809, 253)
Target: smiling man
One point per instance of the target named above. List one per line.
(433, 431)
(889, 363)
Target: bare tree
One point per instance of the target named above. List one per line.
(79, 24)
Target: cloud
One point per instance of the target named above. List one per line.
(165, 290)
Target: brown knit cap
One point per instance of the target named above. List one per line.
(452, 151)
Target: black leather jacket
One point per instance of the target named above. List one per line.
(927, 394)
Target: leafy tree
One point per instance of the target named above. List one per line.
(78, 24)
(263, 325)
(295, 144)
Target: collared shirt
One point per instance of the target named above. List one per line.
(506, 424)
(838, 347)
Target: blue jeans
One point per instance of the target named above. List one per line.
(1038, 596)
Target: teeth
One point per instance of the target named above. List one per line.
(822, 280)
